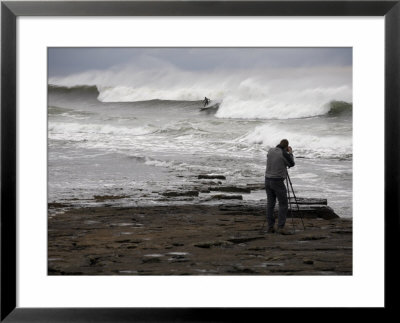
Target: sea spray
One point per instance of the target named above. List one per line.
(306, 143)
(248, 94)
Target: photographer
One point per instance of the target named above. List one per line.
(278, 159)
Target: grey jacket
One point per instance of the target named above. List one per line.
(278, 159)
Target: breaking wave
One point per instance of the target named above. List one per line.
(83, 89)
(340, 107)
(305, 144)
(245, 94)
(93, 132)
(232, 106)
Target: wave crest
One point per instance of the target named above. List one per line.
(340, 107)
(246, 94)
(304, 144)
(90, 89)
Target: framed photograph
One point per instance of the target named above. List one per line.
(179, 160)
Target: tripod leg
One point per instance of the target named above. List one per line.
(262, 228)
(295, 198)
(290, 205)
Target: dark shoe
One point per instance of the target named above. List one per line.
(283, 231)
(270, 230)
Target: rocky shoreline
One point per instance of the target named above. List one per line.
(196, 239)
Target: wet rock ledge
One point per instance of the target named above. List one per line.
(196, 239)
(212, 190)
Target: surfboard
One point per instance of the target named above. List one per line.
(212, 105)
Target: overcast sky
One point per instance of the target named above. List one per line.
(67, 61)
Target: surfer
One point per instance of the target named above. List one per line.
(206, 101)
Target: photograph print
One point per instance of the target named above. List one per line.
(200, 161)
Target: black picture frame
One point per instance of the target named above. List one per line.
(11, 10)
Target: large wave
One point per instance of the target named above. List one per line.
(248, 94)
(84, 89)
(305, 143)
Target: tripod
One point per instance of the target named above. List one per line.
(288, 181)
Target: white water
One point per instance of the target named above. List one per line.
(247, 94)
(116, 145)
(307, 143)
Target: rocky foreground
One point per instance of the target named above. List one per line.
(223, 239)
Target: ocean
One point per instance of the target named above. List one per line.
(135, 141)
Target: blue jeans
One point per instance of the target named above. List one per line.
(276, 189)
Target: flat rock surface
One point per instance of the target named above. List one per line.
(193, 240)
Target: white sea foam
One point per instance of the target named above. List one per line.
(159, 163)
(306, 144)
(283, 104)
(279, 93)
(85, 131)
